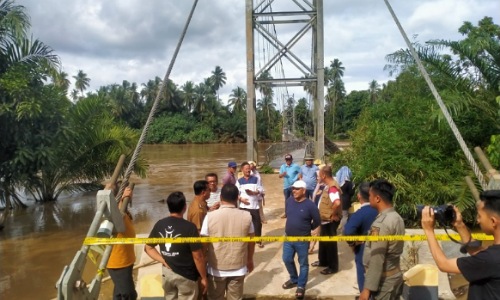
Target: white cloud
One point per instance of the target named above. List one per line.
(134, 40)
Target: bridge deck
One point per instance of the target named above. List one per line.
(298, 157)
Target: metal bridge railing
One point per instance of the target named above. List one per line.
(276, 150)
(309, 149)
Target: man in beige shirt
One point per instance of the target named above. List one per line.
(198, 208)
(228, 263)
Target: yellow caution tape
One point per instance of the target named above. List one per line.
(343, 238)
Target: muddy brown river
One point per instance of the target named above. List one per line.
(39, 241)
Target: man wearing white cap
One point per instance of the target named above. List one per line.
(302, 216)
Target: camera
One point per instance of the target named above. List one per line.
(444, 214)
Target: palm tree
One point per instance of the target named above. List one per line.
(15, 46)
(134, 95)
(14, 22)
(478, 63)
(201, 93)
(82, 81)
(265, 88)
(238, 100)
(218, 79)
(473, 73)
(336, 88)
(374, 89)
(74, 94)
(149, 91)
(188, 94)
(171, 99)
(267, 107)
(88, 153)
(335, 72)
(37, 61)
(61, 80)
(310, 86)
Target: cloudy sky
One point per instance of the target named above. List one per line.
(113, 40)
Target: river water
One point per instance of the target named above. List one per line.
(39, 241)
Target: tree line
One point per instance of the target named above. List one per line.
(49, 144)
(54, 143)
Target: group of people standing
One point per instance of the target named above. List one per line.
(312, 203)
(316, 202)
(213, 270)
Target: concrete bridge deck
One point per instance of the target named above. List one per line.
(270, 273)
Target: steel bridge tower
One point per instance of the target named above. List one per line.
(301, 11)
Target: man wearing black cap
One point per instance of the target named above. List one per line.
(289, 171)
(230, 176)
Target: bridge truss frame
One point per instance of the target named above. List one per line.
(310, 13)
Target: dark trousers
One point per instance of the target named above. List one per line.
(257, 223)
(328, 253)
(287, 192)
(124, 283)
(309, 194)
(360, 268)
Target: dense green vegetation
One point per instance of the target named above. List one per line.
(401, 134)
(49, 145)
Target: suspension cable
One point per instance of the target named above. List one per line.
(439, 101)
(164, 83)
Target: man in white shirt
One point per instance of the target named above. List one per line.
(213, 202)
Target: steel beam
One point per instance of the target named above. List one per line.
(320, 74)
(285, 13)
(251, 116)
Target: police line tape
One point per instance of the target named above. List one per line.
(344, 238)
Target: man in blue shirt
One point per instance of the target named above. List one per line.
(360, 223)
(303, 216)
(309, 173)
(289, 171)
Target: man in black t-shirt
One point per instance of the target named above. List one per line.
(482, 267)
(183, 263)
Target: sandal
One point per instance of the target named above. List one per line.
(300, 293)
(316, 264)
(288, 285)
(328, 271)
(261, 245)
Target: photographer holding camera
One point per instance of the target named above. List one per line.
(482, 267)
